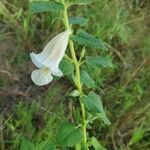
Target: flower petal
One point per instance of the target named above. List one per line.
(53, 52)
(57, 72)
(36, 61)
(41, 76)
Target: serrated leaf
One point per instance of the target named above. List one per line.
(45, 6)
(87, 80)
(26, 145)
(82, 2)
(94, 104)
(99, 61)
(85, 39)
(69, 135)
(67, 67)
(78, 21)
(97, 145)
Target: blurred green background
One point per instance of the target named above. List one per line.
(35, 113)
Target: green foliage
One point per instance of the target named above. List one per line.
(26, 145)
(78, 21)
(94, 104)
(96, 144)
(82, 2)
(98, 61)
(68, 135)
(67, 67)
(87, 80)
(137, 135)
(115, 25)
(44, 6)
(146, 45)
(104, 118)
(85, 39)
(74, 93)
(125, 28)
(44, 145)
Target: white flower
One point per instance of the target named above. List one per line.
(48, 60)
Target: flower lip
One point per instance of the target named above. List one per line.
(41, 76)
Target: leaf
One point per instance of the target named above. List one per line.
(87, 80)
(67, 67)
(45, 145)
(99, 61)
(82, 2)
(104, 118)
(74, 93)
(94, 104)
(44, 6)
(26, 145)
(85, 39)
(97, 145)
(138, 135)
(78, 21)
(68, 135)
(78, 147)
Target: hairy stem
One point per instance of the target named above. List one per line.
(77, 67)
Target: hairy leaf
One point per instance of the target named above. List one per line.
(97, 145)
(104, 118)
(26, 145)
(45, 145)
(99, 61)
(87, 80)
(44, 6)
(69, 135)
(82, 2)
(94, 104)
(67, 67)
(78, 21)
(85, 39)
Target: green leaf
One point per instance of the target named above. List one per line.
(94, 104)
(85, 39)
(82, 2)
(104, 118)
(87, 80)
(26, 145)
(97, 145)
(74, 93)
(78, 147)
(45, 145)
(78, 21)
(138, 135)
(99, 61)
(67, 67)
(68, 135)
(44, 6)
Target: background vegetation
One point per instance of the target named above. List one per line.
(31, 114)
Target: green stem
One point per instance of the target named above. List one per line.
(77, 67)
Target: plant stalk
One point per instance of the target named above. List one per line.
(77, 68)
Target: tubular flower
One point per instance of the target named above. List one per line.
(48, 60)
